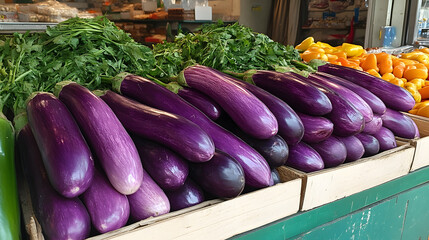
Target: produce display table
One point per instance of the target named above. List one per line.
(393, 210)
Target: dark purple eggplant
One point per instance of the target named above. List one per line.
(370, 143)
(188, 195)
(354, 146)
(400, 124)
(105, 134)
(254, 165)
(374, 125)
(386, 139)
(66, 156)
(171, 130)
(109, 209)
(201, 101)
(60, 217)
(316, 128)
(275, 176)
(346, 118)
(304, 158)
(247, 111)
(332, 151)
(402, 100)
(166, 168)
(222, 176)
(298, 94)
(149, 200)
(347, 94)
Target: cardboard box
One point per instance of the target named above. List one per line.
(421, 157)
(328, 185)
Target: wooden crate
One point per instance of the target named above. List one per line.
(328, 185)
(421, 157)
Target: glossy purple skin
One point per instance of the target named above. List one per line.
(254, 165)
(66, 156)
(60, 217)
(316, 128)
(201, 101)
(346, 118)
(370, 143)
(304, 158)
(385, 138)
(374, 125)
(416, 129)
(300, 95)
(332, 151)
(247, 111)
(291, 128)
(402, 100)
(173, 131)
(188, 195)
(347, 94)
(276, 176)
(166, 167)
(149, 200)
(107, 137)
(400, 124)
(377, 106)
(109, 209)
(354, 146)
(222, 176)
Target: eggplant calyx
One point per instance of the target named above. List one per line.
(117, 81)
(174, 87)
(59, 86)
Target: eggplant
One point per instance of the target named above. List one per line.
(171, 130)
(247, 111)
(276, 176)
(400, 124)
(416, 129)
(107, 137)
(304, 158)
(385, 138)
(300, 95)
(316, 128)
(109, 210)
(60, 217)
(141, 89)
(65, 153)
(188, 195)
(166, 168)
(370, 143)
(374, 125)
(332, 151)
(397, 98)
(347, 94)
(354, 146)
(201, 101)
(221, 177)
(149, 200)
(346, 118)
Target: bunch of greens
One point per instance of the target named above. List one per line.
(233, 48)
(80, 50)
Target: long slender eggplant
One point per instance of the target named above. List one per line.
(332, 151)
(316, 128)
(66, 155)
(304, 158)
(385, 138)
(370, 143)
(354, 146)
(256, 169)
(400, 124)
(107, 137)
(201, 101)
(171, 130)
(373, 126)
(188, 195)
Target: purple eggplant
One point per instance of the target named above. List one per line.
(166, 168)
(201, 101)
(377, 106)
(370, 143)
(354, 146)
(149, 200)
(222, 176)
(275, 176)
(304, 158)
(109, 209)
(254, 165)
(188, 195)
(247, 111)
(374, 125)
(416, 129)
(66, 156)
(386, 139)
(60, 217)
(332, 151)
(171, 130)
(400, 124)
(402, 100)
(107, 137)
(316, 128)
